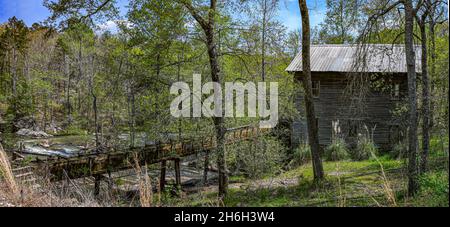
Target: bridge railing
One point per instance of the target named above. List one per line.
(100, 163)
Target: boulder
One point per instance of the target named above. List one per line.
(53, 128)
(32, 133)
(26, 123)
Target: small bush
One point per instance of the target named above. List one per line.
(433, 190)
(336, 151)
(256, 158)
(74, 130)
(365, 149)
(300, 156)
(399, 151)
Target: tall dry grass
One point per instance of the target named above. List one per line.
(388, 191)
(342, 197)
(28, 195)
(145, 183)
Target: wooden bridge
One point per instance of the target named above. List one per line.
(96, 164)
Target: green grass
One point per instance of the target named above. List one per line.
(438, 146)
(237, 179)
(343, 180)
(72, 131)
(348, 183)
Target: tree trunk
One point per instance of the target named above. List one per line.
(218, 121)
(425, 99)
(313, 137)
(132, 113)
(97, 128)
(263, 46)
(208, 26)
(432, 61)
(14, 84)
(68, 106)
(411, 68)
(94, 104)
(14, 73)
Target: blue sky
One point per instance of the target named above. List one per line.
(33, 11)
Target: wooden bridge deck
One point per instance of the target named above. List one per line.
(94, 164)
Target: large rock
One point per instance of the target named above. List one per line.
(27, 123)
(53, 128)
(32, 133)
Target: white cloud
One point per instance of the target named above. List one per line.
(108, 26)
(112, 26)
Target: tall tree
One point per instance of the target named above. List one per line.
(208, 24)
(341, 21)
(14, 40)
(410, 11)
(413, 184)
(436, 15)
(313, 135)
(421, 21)
(266, 10)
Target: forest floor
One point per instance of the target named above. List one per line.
(381, 182)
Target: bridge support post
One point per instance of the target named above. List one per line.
(110, 182)
(177, 173)
(97, 185)
(162, 177)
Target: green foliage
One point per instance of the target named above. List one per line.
(256, 158)
(399, 151)
(433, 190)
(75, 11)
(439, 146)
(301, 155)
(20, 105)
(365, 149)
(74, 130)
(336, 151)
(340, 19)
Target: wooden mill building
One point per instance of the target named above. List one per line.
(358, 91)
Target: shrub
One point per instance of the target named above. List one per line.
(74, 130)
(256, 158)
(365, 149)
(433, 190)
(300, 156)
(399, 151)
(336, 151)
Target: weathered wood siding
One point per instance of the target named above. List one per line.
(332, 105)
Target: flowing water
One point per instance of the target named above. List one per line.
(67, 146)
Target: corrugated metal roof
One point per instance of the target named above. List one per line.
(344, 58)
